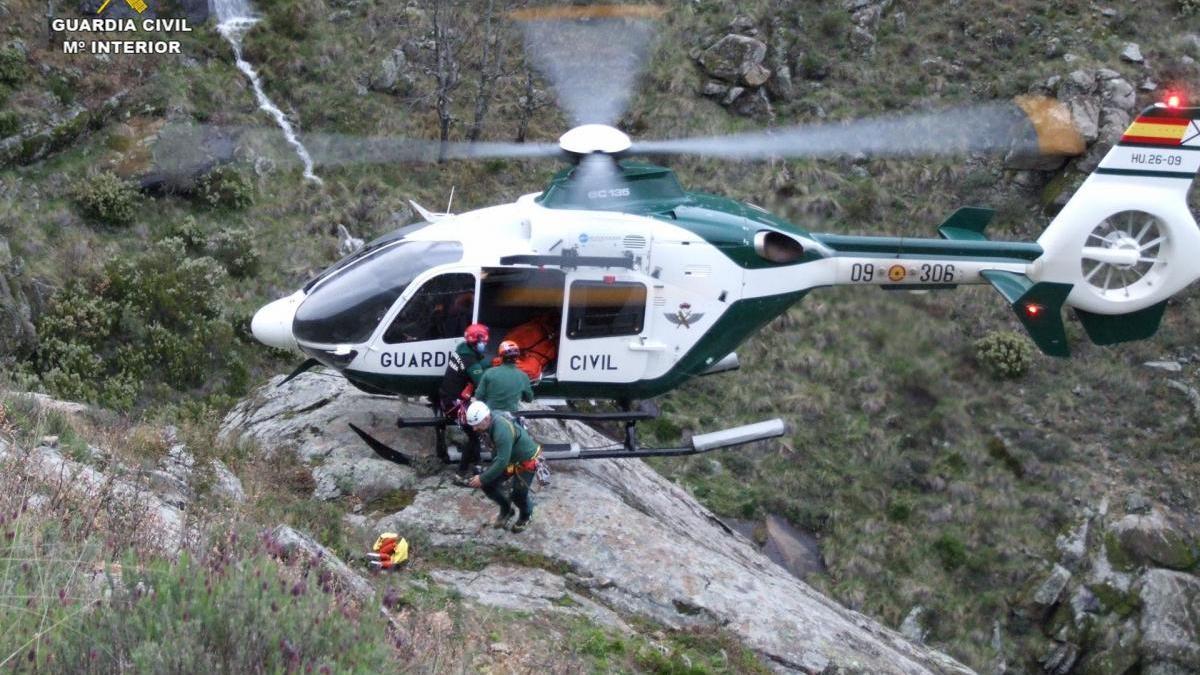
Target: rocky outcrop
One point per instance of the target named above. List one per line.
(310, 416)
(1101, 104)
(1152, 540)
(738, 70)
(637, 544)
(295, 547)
(120, 502)
(1109, 607)
(1170, 620)
(176, 474)
(17, 333)
(527, 590)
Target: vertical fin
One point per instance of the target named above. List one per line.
(1038, 307)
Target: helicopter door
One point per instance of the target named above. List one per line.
(604, 317)
(418, 341)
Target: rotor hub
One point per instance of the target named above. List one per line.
(589, 138)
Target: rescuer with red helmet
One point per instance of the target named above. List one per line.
(503, 387)
(464, 370)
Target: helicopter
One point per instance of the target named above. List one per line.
(646, 285)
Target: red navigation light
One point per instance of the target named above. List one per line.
(1034, 311)
(1173, 101)
(610, 279)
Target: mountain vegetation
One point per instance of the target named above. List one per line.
(943, 465)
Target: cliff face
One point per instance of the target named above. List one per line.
(635, 543)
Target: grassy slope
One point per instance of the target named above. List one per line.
(889, 460)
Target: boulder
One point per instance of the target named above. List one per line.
(635, 543)
(731, 56)
(391, 74)
(1117, 92)
(1170, 620)
(756, 75)
(1153, 539)
(754, 104)
(1085, 114)
(1050, 590)
(862, 39)
(714, 89)
(780, 85)
(526, 589)
(174, 476)
(296, 547)
(1132, 53)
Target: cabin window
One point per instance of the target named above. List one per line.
(599, 309)
(441, 309)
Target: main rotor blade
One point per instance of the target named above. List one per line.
(1027, 126)
(592, 55)
(187, 149)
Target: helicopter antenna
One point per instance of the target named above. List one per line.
(451, 200)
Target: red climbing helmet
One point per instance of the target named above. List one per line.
(476, 332)
(509, 349)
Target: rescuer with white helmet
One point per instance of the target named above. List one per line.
(515, 458)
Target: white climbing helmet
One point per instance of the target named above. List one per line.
(477, 412)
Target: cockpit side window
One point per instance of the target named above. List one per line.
(347, 306)
(441, 309)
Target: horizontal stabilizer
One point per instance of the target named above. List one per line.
(1109, 329)
(967, 223)
(1038, 306)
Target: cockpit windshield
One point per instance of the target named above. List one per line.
(348, 305)
(370, 247)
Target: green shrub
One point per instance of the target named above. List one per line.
(151, 319)
(899, 511)
(814, 66)
(1189, 7)
(12, 66)
(106, 198)
(10, 123)
(226, 187)
(234, 248)
(1005, 354)
(185, 229)
(950, 551)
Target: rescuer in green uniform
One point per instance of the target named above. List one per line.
(464, 369)
(515, 458)
(503, 387)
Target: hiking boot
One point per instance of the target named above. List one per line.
(501, 521)
(522, 523)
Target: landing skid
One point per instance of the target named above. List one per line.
(716, 440)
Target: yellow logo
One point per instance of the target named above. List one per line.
(897, 273)
(138, 6)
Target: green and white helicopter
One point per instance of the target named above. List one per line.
(650, 284)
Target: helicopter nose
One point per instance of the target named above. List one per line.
(272, 324)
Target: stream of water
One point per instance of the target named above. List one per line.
(234, 18)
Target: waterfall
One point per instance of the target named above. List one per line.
(234, 18)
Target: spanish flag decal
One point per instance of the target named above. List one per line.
(1156, 130)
